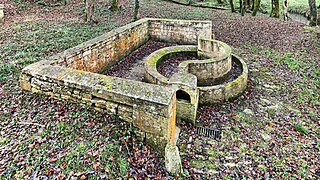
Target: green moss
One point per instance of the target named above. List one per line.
(109, 103)
(107, 81)
(234, 82)
(196, 163)
(301, 129)
(264, 168)
(81, 71)
(236, 129)
(210, 152)
(312, 29)
(108, 86)
(241, 116)
(209, 165)
(60, 74)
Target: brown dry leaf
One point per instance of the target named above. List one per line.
(96, 165)
(79, 173)
(83, 177)
(51, 159)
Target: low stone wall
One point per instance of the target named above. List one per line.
(225, 92)
(202, 70)
(215, 67)
(178, 31)
(151, 73)
(149, 107)
(211, 48)
(103, 51)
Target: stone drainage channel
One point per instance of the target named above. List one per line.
(148, 88)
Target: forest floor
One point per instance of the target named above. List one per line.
(271, 131)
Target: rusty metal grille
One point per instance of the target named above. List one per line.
(207, 132)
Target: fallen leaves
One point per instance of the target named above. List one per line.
(36, 144)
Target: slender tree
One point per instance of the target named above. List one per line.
(248, 5)
(88, 10)
(240, 4)
(136, 10)
(232, 6)
(252, 5)
(256, 7)
(85, 16)
(243, 7)
(313, 12)
(275, 11)
(285, 10)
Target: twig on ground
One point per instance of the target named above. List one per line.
(30, 123)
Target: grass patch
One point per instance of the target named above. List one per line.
(33, 41)
(236, 129)
(302, 129)
(289, 59)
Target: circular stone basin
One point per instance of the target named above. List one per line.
(230, 90)
(154, 59)
(211, 90)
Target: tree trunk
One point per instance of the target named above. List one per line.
(89, 10)
(136, 10)
(244, 7)
(248, 5)
(85, 16)
(313, 12)
(115, 5)
(256, 7)
(275, 11)
(285, 10)
(252, 6)
(231, 5)
(277, 8)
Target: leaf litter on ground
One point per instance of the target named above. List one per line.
(44, 137)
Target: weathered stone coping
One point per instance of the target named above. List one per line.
(227, 91)
(216, 63)
(98, 83)
(207, 94)
(215, 67)
(150, 107)
(177, 20)
(211, 48)
(151, 62)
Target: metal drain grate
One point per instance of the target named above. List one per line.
(212, 133)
